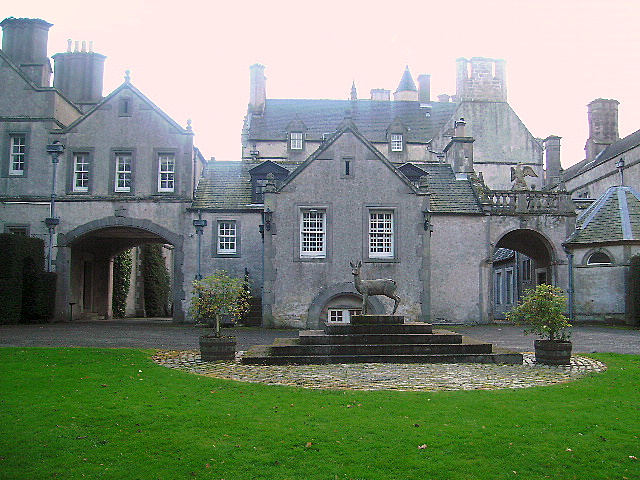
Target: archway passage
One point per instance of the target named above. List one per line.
(86, 256)
(522, 259)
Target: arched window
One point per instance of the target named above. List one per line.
(598, 258)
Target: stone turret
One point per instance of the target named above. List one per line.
(481, 79)
(79, 74)
(25, 41)
(603, 126)
(407, 90)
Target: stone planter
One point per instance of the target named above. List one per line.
(553, 352)
(217, 348)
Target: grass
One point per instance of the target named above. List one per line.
(114, 414)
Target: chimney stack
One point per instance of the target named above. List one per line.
(603, 126)
(552, 160)
(424, 88)
(25, 41)
(380, 94)
(258, 92)
(79, 75)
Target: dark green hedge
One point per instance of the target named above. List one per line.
(121, 283)
(27, 293)
(156, 281)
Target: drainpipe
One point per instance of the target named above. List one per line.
(54, 149)
(570, 290)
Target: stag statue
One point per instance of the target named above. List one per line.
(379, 286)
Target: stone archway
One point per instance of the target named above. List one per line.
(522, 258)
(89, 250)
(346, 290)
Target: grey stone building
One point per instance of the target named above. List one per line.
(401, 185)
(418, 190)
(126, 176)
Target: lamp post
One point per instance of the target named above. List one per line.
(54, 149)
(199, 225)
(570, 292)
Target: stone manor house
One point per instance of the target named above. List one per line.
(431, 193)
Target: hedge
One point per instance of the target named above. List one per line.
(27, 292)
(156, 281)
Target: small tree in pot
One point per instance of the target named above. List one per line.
(543, 310)
(213, 297)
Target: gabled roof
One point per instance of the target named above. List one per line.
(128, 86)
(371, 117)
(614, 217)
(31, 83)
(612, 151)
(347, 125)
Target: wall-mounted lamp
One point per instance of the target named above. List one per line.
(199, 224)
(426, 218)
(267, 216)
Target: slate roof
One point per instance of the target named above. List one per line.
(614, 217)
(502, 254)
(371, 117)
(449, 195)
(227, 185)
(613, 150)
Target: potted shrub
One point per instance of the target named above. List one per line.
(213, 297)
(542, 309)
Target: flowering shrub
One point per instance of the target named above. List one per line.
(542, 310)
(217, 295)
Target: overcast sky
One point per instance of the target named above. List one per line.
(192, 58)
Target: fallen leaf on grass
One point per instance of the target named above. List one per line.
(422, 447)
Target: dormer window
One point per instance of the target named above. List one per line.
(296, 140)
(397, 144)
(259, 175)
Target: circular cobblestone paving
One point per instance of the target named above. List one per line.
(384, 376)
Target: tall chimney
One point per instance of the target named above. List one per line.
(424, 88)
(25, 41)
(552, 160)
(258, 86)
(603, 126)
(79, 75)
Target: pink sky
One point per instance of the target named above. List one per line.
(191, 58)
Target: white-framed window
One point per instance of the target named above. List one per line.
(396, 142)
(381, 237)
(342, 315)
(166, 172)
(80, 172)
(598, 258)
(227, 237)
(123, 172)
(313, 233)
(17, 154)
(295, 140)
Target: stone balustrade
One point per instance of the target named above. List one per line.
(514, 202)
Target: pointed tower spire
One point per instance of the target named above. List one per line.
(354, 93)
(407, 90)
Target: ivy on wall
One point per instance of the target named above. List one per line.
(122, 264)
(156, 281)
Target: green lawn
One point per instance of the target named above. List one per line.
(113, 413)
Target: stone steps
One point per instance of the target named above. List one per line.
(377, 339)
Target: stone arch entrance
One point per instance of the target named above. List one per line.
(338, 296)
(522, 258)
(85, 263)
